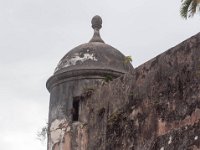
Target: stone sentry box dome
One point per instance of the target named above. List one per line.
(84, 67)
(93, 58)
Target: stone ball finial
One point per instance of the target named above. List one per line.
(96, 22)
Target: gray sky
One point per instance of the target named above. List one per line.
(35, 35)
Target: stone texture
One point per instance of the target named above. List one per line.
(78, 74)
(155, 108)
(94, 55)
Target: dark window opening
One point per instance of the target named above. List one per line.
(75, 110)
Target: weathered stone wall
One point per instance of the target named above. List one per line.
(156, 108)
(63, 131)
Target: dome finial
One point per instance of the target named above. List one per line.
(96, 22)
(96, 25)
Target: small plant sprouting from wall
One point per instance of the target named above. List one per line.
(42, 134)
(128, 59)
(108, 78)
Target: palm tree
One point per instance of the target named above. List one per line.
(189, 8)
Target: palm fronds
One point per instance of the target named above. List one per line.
(189, 8)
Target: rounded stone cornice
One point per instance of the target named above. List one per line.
(81, 74)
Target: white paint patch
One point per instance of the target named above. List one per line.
(68, 129)
(162, 148)
(76, 58)
(196, 138)
(170, 140)
(57, 132)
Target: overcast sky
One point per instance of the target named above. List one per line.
(36, 34)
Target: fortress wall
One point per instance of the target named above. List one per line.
(157, 107)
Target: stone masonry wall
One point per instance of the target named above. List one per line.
(156, 108)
